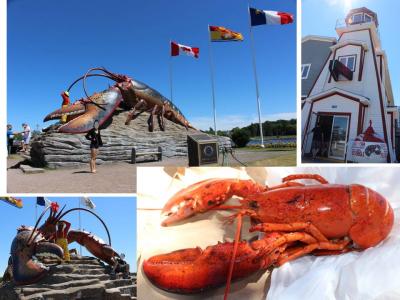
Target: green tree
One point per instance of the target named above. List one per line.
(240, 137)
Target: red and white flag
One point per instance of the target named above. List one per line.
(176, 49)
(277, 17)
(269, 17)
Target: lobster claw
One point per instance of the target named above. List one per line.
(26, 270)
(193, 270)
(205, 195)
(82, 114)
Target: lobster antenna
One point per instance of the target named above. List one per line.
(37, 223)
(52, 213)
(234, 253)
(56, 217)
(91, 212)
(84, 87)
(89, 75)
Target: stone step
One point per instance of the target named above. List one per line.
(88, 292)
(128, 289)
(60, 286)
(117, 283)
(30, 170)
(77, 269)
(60, 278)
(85, 262)
(76, 259)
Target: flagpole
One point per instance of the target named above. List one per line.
(212, 79)
(170, 71)
(80, 228)
(256, 80)
(36, 211)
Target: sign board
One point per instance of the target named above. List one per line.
(202, 149)
(369, 152)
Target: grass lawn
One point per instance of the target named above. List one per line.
(259, 149)
(283, 161)
(271, 137)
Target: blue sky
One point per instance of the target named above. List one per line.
(319, 18)
(51, 43)
(119, 214)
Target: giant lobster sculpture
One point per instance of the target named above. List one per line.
(127, 93)
(297, 219)
(33, 242)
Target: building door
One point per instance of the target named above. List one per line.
(325, 122)
(338, 139)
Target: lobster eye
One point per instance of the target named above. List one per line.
(253, 204)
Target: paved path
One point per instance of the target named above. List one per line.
(110, 178)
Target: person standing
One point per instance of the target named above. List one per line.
(318, 140)
(66, 102)
(62, 238)
(94, 137)
(10, 138)
(26, 137)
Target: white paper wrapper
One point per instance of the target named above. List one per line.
(371, 274)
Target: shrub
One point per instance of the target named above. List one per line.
(240, 137)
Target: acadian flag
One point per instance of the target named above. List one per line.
(88, 203)
(42, 201)
(222, 34)
(269, 17)
(176, 49)
(13, 201)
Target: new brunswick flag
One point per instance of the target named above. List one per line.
(13, 201)
(222, 34)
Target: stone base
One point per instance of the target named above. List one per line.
(53, 150)
(82, 278)
(30, 170)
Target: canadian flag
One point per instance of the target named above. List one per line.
(176, 49)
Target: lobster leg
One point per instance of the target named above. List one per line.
(302, 226)
(333, 252)
(310, 248)
(94, 245)
(150, 121)
(316, 177)
(284, 185)
(131, 114)
(160, 118)
(285, 240)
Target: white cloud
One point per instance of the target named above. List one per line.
(228, 122)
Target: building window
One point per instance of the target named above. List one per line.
(357, 18)
(305, 69)
(360, 18)
(367, 18)
(349, 61)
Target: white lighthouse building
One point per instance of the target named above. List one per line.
(351, 97)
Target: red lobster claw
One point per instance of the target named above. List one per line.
(205, 195)
(194, 270)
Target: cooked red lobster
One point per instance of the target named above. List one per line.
(298, 219)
